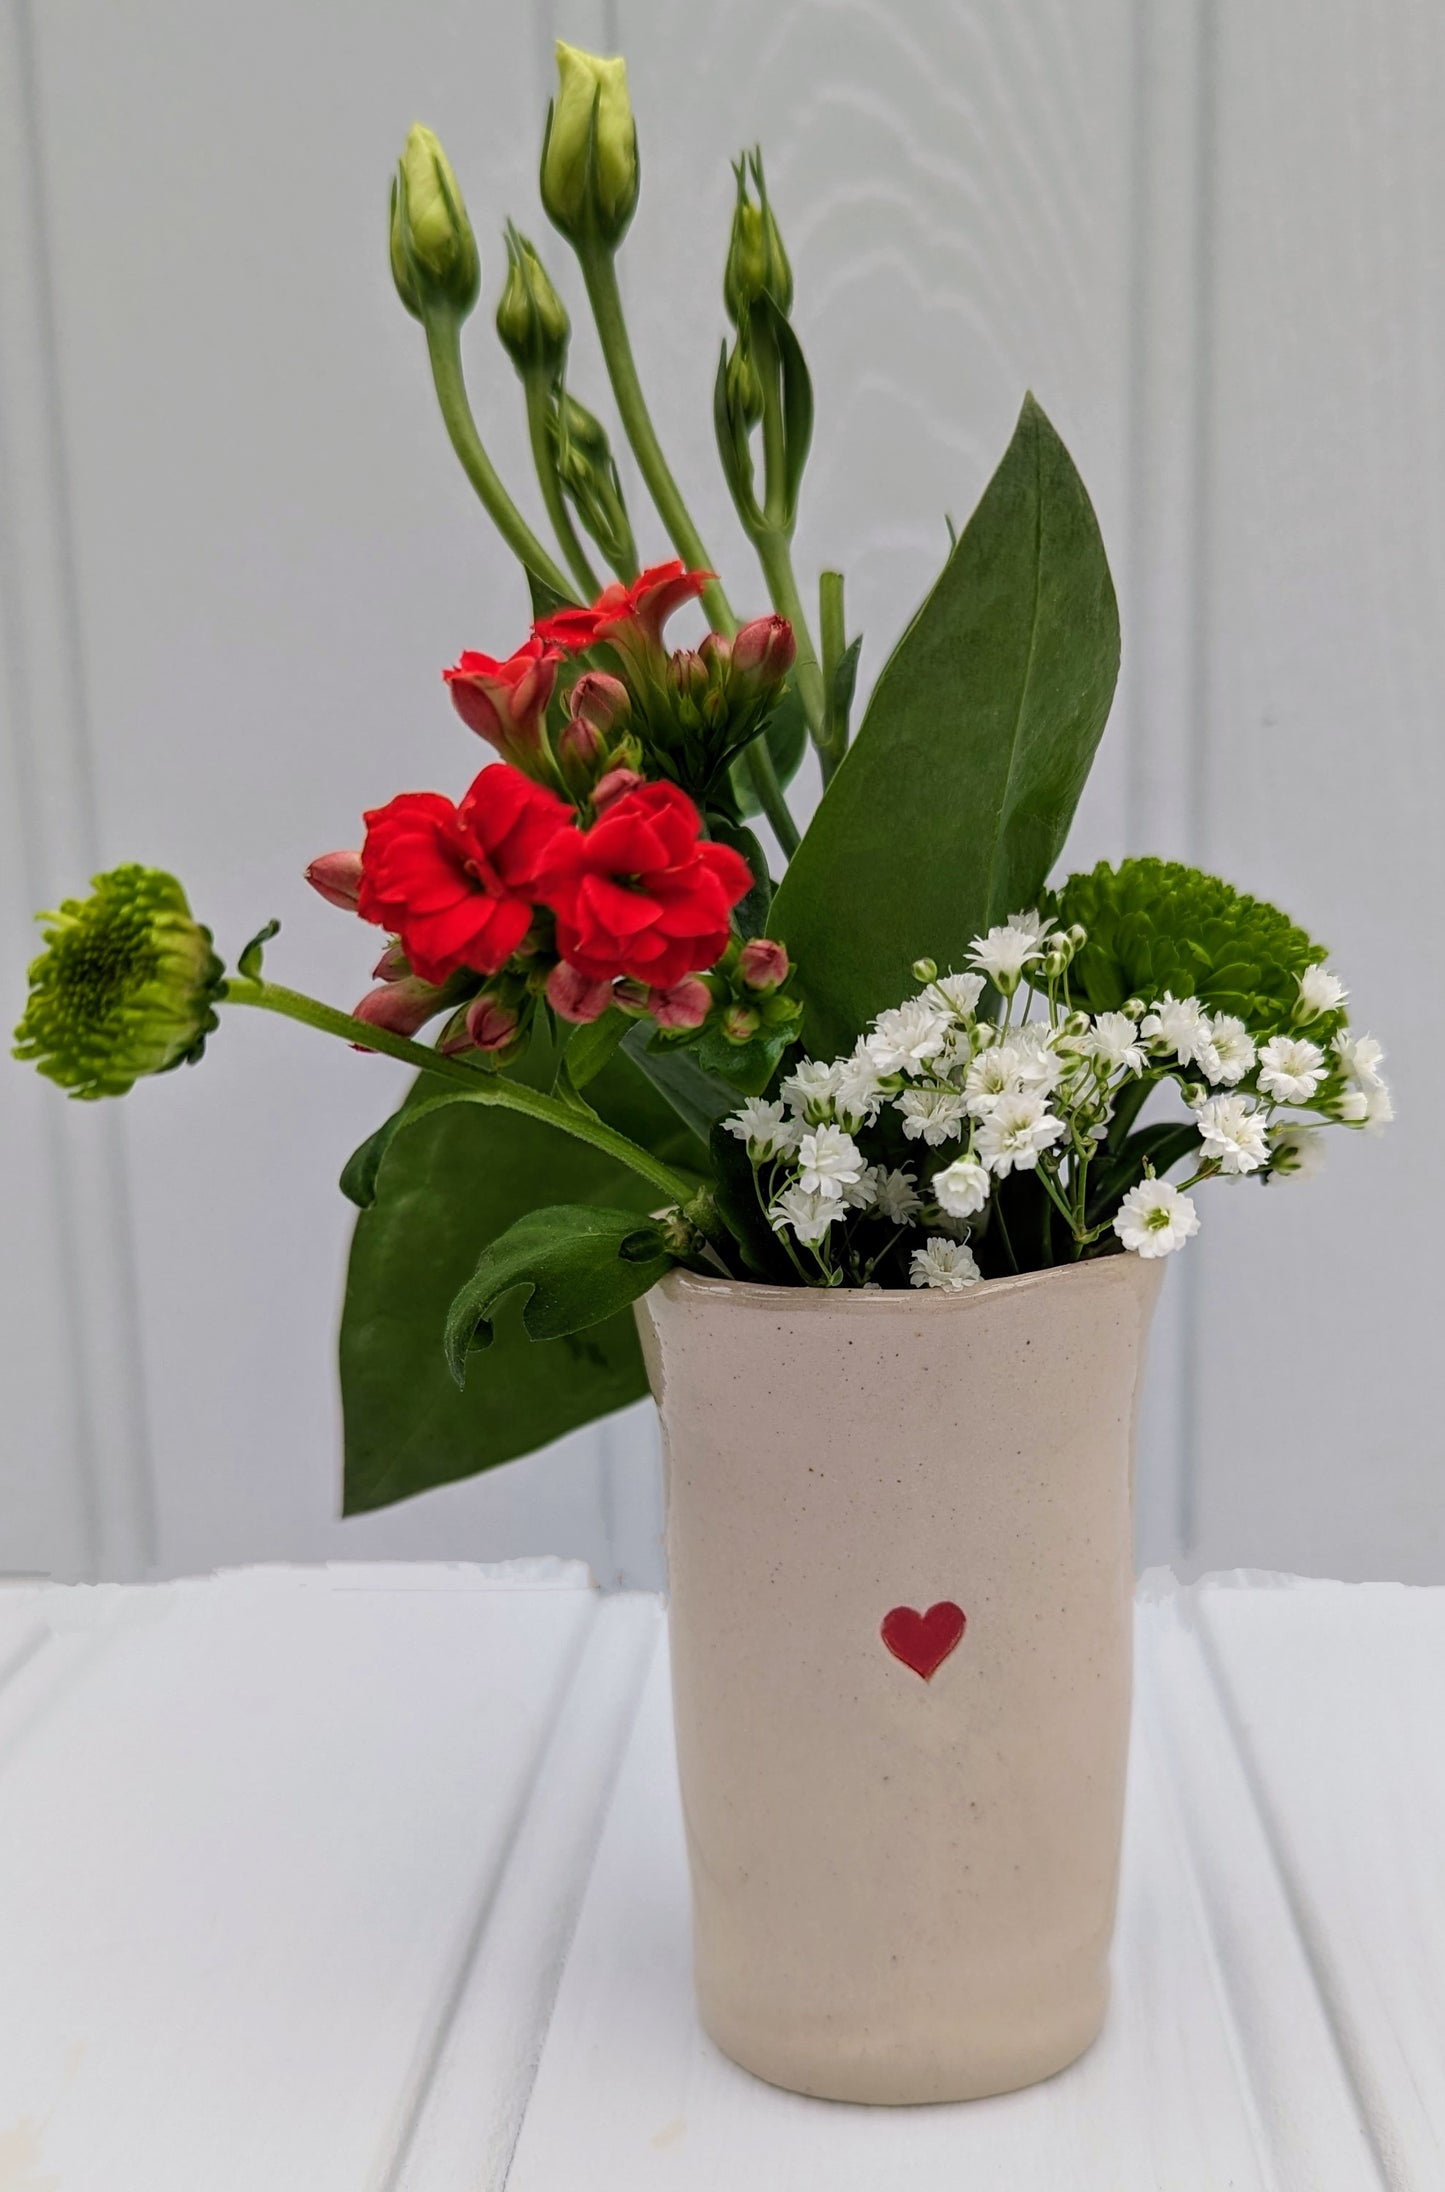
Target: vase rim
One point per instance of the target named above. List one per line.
(893, 1301)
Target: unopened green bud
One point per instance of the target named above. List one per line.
(925, 970)
(434, 258)
(744, 388)
(126, 986)
(757, 265)
(589, 154)
(588, 473)
(531, 318)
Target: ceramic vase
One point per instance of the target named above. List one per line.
(900, 1565)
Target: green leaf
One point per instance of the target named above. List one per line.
(787, 741)
(575, 1266)
(452, 1183)
(797, 402)
(546, 600)
(358, 1174)
(954, 800)
(249, 963)
(591, 1045)
(695, 1096)
(751, 913)
(735, 1192)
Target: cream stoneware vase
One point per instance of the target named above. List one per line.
(900, 1560)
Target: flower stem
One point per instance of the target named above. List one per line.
(478, 1086)
(544, 456)
(775, 554)
(444, 347)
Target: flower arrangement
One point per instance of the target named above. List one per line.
(905, 1062)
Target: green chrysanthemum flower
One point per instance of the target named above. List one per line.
(125, 986)
(1155, 925)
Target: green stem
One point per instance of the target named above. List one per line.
(444, 347)
(758, 762)
(544, 457)
(775, 554)
(599, 272)
(832, 630)
(479, 1087)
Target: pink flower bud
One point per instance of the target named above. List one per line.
(602, 701)
(490, 1024)
(686, 1005)
(337, 875)
(765, 648)
(401, 1007)
(574, 996)
(612, 787)
(393, 965)
(580, 752)
(763, 965)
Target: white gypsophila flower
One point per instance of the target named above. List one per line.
(1155, 1218)
(1036, 1061)
(1233, 1133)
(947, 1265)
(1032, 922)
(1291, 1069)
(1319, 991)
(1004, 953)
(828, 1161)
(1379, 1108)
(992, 1074)
(963, 1187)
(1354, 1106)
(906, 1038)
(1296, 1152)
(955, 1057)
(931, 1115)
(1177, 1024)
(858, 1089)
(765, 1127)
(1227, 1052)
(810, 1087)
(806, 1216)
(1014, 1133)
(1113, 1040)
(1360, 1058)
(894, 1194)
(955, 994)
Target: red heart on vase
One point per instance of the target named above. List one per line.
(924, 1641)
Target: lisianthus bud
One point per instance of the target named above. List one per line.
(757, 265)
(763, 965)
(400, 1006)
(588, 472)
(602, 701)
(531, 318)
(337, 876)
(589, 154)
(434, 258)
(126, 986)
(575, 996)
(686, 1005)
(614, 786)
(743, 388)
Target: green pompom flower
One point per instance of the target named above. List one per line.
(1156, 925)
(125, 986)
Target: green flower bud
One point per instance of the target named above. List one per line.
(757, 264)
(434, 259)
(531, 318)
(588, 473)
(744, 388)
(589, 153)
(125, 986)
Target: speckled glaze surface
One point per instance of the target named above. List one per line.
(903, 1885)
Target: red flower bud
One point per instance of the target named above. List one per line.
(575, 996)
(765, 648)
(763, 965)
(337, 875)
(392, 966)
(613, 786)
(602, 701)
(686, 1005)
(400, 1007)
(506, 702)
(490, 1024)
(580, 752)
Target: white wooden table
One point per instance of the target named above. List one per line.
(372, 1880)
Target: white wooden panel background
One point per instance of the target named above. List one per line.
(234, 553)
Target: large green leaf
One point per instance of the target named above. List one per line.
(954, 800)
(447, 1188)
(574, 1265)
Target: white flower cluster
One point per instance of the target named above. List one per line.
(936, 1104)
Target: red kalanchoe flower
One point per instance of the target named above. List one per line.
(506, 702)
(626, 616)
(457, 884)
(639, 894)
